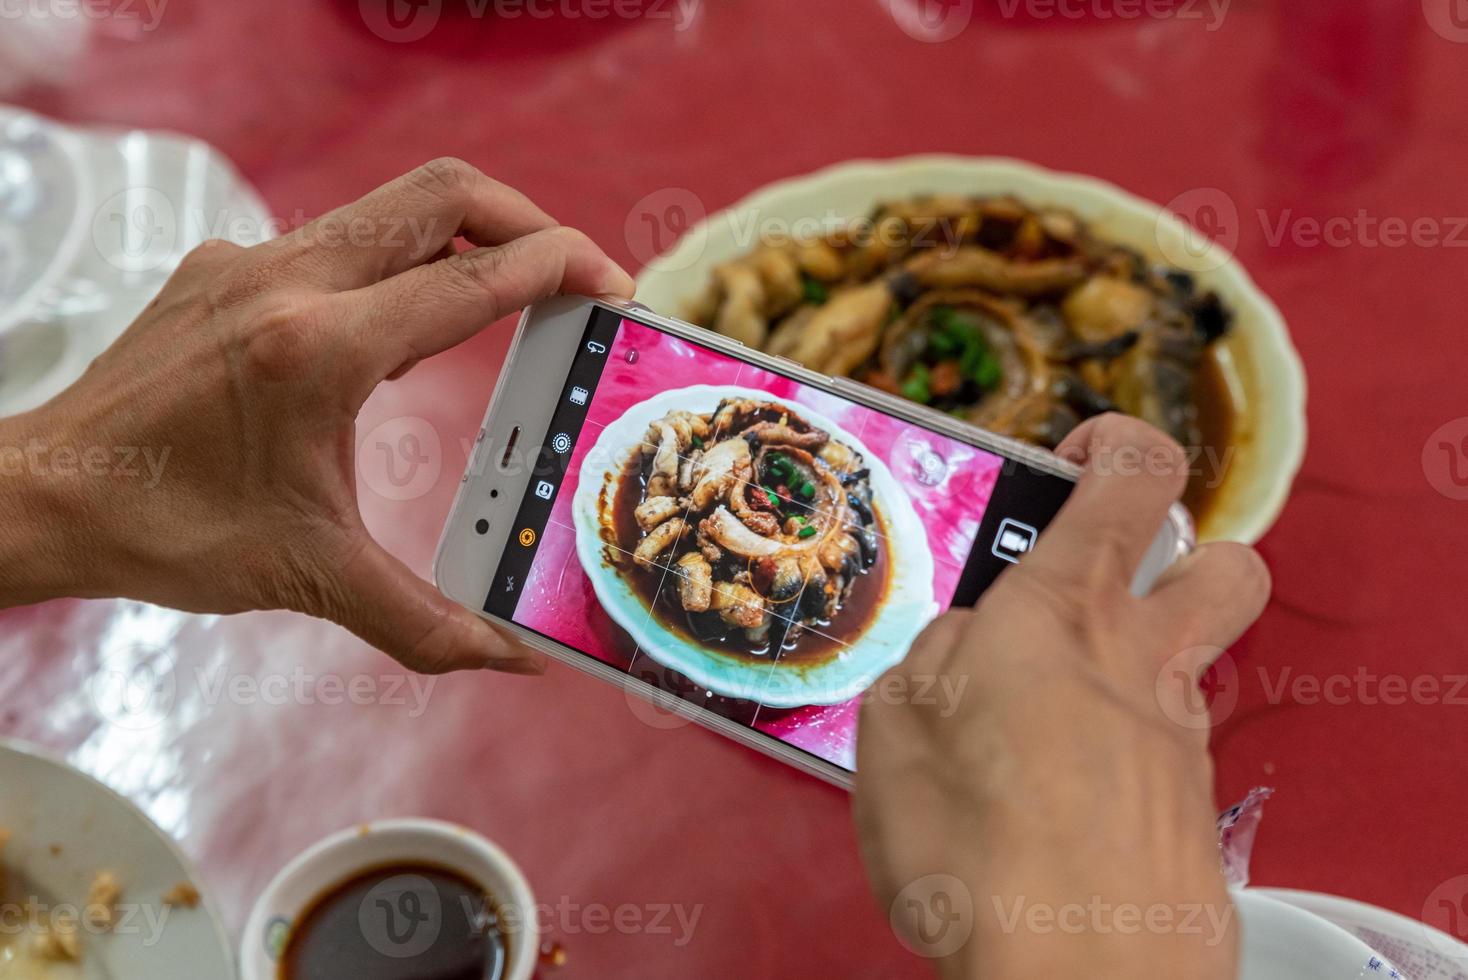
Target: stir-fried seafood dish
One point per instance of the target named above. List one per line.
(1016, 318)
(753, 526)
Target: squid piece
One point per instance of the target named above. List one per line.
(975, 267)
(695, 582)
(845, 332)
(786, 337)
(737, 605)
(731, 534)
(654, 511)
(779, 273)
(662, 477)
(687, 427)
(659, 540)
(819, 260)
(1105, 308)
(741, 315)
(781, 434)
(714, 475)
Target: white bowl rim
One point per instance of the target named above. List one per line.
(896, 508)
(1275, 346)
(221, 935)
(424, 827)
(71, 245)
(1324, 905)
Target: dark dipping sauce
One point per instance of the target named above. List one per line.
(818, 643)
(401, 922)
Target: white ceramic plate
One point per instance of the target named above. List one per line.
(906, 609)
(1282, 942)
(1416, 948)
(1258, 359)
(46, 802)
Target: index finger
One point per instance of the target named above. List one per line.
(408, 221)
(1133, 475)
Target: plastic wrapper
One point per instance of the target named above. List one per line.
(1237, 827)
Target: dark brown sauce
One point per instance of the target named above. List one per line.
(822, 642)
(1216, 425)
(402, 922)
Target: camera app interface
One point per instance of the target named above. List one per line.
(745, 542)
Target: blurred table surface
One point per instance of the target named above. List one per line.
(1295, 112)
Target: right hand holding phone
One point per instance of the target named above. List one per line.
(1054, 791)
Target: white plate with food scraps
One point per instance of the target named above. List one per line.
(905, 608)
(1263, 379)
(65, 830)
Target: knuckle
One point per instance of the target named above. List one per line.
(208, 252)
(278, 342)
(446, 174)
(478, 270)
(237, 286)
(569, 238)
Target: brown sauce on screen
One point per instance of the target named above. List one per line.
(817, 644)
(1216, 424)
(402, 922)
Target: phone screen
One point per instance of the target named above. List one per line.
(749, 543)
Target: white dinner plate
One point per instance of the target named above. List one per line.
(906, 608)
(65, 827)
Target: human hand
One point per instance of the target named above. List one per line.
(248, 370)
(1055, 787)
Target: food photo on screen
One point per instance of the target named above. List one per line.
(759, 547)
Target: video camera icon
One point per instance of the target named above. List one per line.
(1014, 540)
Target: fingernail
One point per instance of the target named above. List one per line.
(626, 287)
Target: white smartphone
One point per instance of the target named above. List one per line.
(728, 534)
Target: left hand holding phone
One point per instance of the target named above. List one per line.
(248, 370)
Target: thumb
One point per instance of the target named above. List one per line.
(386, 604)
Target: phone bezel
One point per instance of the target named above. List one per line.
(545, 344)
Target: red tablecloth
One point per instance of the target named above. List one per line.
(1296, 111)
